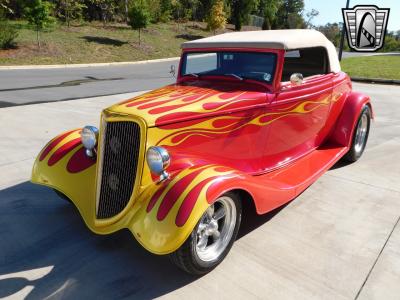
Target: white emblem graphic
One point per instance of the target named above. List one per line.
(366, 27)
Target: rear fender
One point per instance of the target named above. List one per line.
(343, 131)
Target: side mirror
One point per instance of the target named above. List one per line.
(296, 79)
(173, 71)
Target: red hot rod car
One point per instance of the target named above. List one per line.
(253, 116)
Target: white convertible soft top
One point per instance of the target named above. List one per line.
(288, 39)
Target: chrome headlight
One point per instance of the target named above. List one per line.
(158, 160)
(89, 137)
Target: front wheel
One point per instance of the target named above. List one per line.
(360, 137)
(212, 238)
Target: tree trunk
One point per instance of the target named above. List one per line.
(126, 11)
(37, 36)
(266, 24)
(68, 19)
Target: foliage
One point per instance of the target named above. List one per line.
(38, 13)
(107, 8)
(241, 10)
(268, 9)
(180, 12)
(289, 15)
(216, 19)
(392, 42)
(5, 6)
(160, 10)
(139, 17)
(70, 10)
(332, 31)
(7, 35)
(165, 10)
(311, 15)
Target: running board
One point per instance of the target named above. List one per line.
(293, 179)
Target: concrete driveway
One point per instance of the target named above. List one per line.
(340, 239)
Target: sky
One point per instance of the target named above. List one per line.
(330, 10)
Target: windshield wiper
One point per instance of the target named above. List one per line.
(234, 75)
(192, 74)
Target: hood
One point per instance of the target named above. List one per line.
(189, 100)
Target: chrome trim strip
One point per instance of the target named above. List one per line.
(100, 154)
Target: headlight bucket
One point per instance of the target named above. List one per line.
(158, 160)
(89, 138)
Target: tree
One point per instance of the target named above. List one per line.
(139, 17)
(268, 9)
(216, 20)
(70, 9)
(107, 8)
(160, 10)
(241, 10)
(4, 6)
(203, 9)
(126, 10)
(332, 31)
(289, 15)
(38, 14)
(311, 15)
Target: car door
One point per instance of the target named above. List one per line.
(297, 118)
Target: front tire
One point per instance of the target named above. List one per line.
(212, 238)
(360, 137)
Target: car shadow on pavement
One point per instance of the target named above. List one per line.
(251, 220)
(47, 250)
(39, 230)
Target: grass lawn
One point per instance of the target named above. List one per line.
(387, 67)
(92, 43)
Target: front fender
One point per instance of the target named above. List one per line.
(171, 210)
(63, 165)
(343, 131)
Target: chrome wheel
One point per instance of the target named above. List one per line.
(215, 229)
(361, 133)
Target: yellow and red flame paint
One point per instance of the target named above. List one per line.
(177, 117)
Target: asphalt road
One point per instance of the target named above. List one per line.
(340, 239)
(46, 85)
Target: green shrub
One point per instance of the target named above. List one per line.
(8, 34)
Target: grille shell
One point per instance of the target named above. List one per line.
(118, 167)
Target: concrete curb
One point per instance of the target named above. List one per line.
(68, 66)
(375, 80)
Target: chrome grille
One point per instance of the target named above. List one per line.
(118, 167)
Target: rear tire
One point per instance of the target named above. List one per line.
(360, 136)
(212, 238)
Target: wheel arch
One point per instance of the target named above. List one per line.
(170, 211)
(343, 131)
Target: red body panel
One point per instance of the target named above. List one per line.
(277, 147)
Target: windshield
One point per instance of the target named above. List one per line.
(241, 65)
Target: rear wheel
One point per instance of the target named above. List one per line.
(212, 238)
(361, 132)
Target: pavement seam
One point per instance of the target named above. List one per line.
(377, 258)
(93, 65)
(15, 162)
(367, 184)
